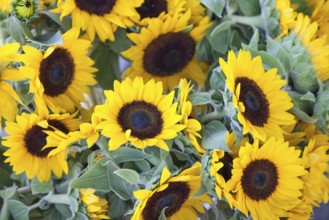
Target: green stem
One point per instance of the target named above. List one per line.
(24, 189)
(36, 205)
(256, 20)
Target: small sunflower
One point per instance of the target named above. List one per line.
(138, 113)
(221, 167)
(174, 195)
(287, 16)
(303, 211)
(5, 5)
(7, 93)
(315, 160)
(316, 45)
(163, 8)
(62, 74)
(165, 51)
(319, 15)
(99, 17)
(193, 126)
(266, 179)
(97, 208)
(26, 140)
(262, 105)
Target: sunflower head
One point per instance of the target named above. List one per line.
(263, 176)
(61, 74)
(97, 207)
(26, 141)
(287, 16)
(174, 195)
(138, 113)
(262, 106)
(165, 51)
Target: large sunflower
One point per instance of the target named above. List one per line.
(97, 208)
(316, 44)
(7, 93)
(99, 17)
(266, 179)
(27, 138)
(165, 51)
(62, 74)
(262, 105)
(138, 113)
(174, 194)
(193, 126)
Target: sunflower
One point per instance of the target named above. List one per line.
(5, 5)
(315, 160)
(221, 167)
(27, 138)
(266, 179)
(99, 17)
(174, 195)
(7, 93)
(139, 113)
(262, 105)
(193, 126)
(162, 8)
(62, 74)
(316, 45)
(303, 211)
(97, 207)
(319, 15)
(165, 51)
(287, 16)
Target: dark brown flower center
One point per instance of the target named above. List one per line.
(144, 119)
(168, 54)
(226, 170)
(260, 179)
(57, 72)
(152, 8)
(173, 197)
(35, 138)
(98, 7)
(255, 102)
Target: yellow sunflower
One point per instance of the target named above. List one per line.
(162, 8)
(319, 15)
(165, 51)
(262, 105)
(97, 208)
(193, 126)
(266, 179)
(315, 160)
(303, 211)
(5, 5)
(99, 17)
(62, 74)
(138, 113)
(221, 167)
(174, 194)
(27, 138)
(7, 93)
(316, 45)
(287, 16)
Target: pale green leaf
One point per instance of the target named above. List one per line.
(200, 98)
(8, 192)
(215, 6)
(131, 176)
(214, 136)
(38, 187)
(18, 210)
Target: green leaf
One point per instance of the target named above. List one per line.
(281, 53)
(214, 136)
(8, 192)
(128, 154)
(249, 7)
(49, 39)
(107, 63)
(308, 96)
(38, 187)
(18, 210)
(118, 206)
(58, 199)
(95, 177)
(64, 210)
(80, 216)
(131, 176)
(118, 185)
(200, 98)
(64, 23)
(121, 42)
(215, 6)
(302, 115)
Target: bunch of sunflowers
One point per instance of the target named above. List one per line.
(164, 109)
